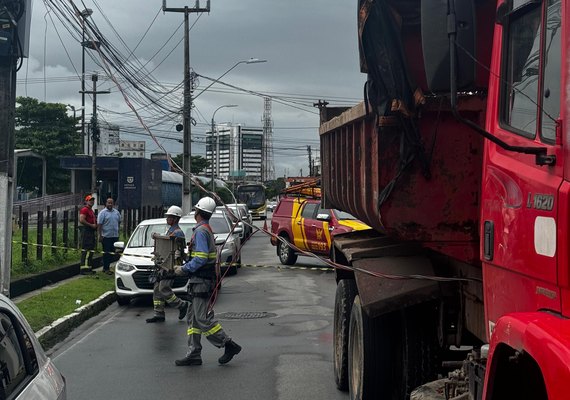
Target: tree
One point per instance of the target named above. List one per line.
(46, 129)
(198, 164)
(273, 188)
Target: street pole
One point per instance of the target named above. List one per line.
(7, 141)
(94, 133)
(187, 108)
(215, 137)
(84, 14)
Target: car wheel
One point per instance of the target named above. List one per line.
(344, 298)
(285, 253)
(123, 301)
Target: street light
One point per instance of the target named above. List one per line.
(212, 141)
(250, 61)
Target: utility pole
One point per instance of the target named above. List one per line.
(84, 14)
(187, 109)
(7, 141)
(15, 16)
(310, 161)
(94, 134)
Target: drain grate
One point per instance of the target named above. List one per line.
(245, 315)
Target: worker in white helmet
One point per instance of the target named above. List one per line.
(201, 285)
(162, 291)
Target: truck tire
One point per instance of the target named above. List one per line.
(363, 355)
(285, 253)
(344, 297)
(391, 355)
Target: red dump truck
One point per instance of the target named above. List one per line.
(458, 158)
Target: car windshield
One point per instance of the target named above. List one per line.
(142, 236)
(343, 215)
(218, 223)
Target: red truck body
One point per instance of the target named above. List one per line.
(494, 219)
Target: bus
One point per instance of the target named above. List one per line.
(253, 195)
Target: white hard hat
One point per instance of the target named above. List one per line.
(175, 211)
(206, 204)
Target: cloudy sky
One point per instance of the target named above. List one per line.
(310, 48)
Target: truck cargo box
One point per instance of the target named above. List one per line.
(361, 174)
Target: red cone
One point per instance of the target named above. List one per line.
(265, 225)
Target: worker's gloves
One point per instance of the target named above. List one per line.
(178, 271)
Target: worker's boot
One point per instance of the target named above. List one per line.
(183, 310)
(156, 318)
(230, 350)
(188, 361)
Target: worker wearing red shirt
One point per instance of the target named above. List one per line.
(88, 226)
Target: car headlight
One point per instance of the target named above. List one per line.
(125, 267)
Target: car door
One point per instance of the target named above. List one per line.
(313, 229)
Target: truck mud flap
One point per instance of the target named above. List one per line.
(383, 295)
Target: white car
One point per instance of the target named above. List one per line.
(134, 268)
(25, 370)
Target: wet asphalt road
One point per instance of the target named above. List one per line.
(285, 356)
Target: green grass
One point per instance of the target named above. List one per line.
(50, 260)
(46, 307)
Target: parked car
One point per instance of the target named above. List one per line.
(271, 205)
(135, 266)
(25, 370)
(241, 211)
(302, 222)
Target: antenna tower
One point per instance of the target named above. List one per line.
(267, 166)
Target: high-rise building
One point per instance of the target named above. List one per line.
(236, 153)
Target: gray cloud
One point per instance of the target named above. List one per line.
(310, 47)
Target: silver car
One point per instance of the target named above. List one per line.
(25, 370)
(134, 268)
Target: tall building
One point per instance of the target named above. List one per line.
(236, 153)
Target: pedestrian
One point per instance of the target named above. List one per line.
(88, 227)
(108, 222)
(162, 290)
(201, 285)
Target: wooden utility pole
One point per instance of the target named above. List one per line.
(187, 109)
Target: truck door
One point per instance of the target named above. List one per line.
(520, 198)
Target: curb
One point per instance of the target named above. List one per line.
(59, 329)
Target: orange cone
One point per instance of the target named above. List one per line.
(265, 225)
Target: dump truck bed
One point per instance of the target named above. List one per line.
(438, 207)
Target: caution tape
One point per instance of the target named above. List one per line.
(291, 267)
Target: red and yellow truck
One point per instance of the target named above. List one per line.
(459, 159)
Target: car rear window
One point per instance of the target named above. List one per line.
(343, 215)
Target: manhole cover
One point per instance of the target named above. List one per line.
(245, 315)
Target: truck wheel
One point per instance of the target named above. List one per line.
(345, 294)
(363, 355)
(391, 355)
(285, 253)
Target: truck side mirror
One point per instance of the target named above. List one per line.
(435, 43)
